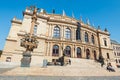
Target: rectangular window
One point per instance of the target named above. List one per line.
(105, 42)
(108, 57)
(35, 29)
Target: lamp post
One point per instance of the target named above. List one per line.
(29, 41)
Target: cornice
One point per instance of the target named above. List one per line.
(16, 21)
(38, 37)
(107, 48)
(9, 39)
(70, 42)
(38, 15)
(61, 21)
(89, 28)
(101, 32)
(49, 18)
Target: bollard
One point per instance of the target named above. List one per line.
(45, 63)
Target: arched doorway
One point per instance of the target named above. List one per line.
(55, 50)
(87, 54)
(95, 55)
(68, 51)
(79, 55)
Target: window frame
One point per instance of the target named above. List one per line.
(68, 33)
(86, 37)
(56, 32)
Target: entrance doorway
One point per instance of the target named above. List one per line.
(87, 54)
(55, 50)
(95, 55)
(68, 51)
(108, 57)
(79, 55)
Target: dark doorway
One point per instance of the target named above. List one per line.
(87, 54)
(108, 57)
(55, 50)
(68, 51)
(79, 53)
(95, 55)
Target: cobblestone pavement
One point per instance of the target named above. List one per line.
(58, 78)
(3, 70)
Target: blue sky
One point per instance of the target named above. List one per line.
(105, 13)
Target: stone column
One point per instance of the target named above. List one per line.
(84, 52)
(52, 31)
(50, 49)
(74, 34)
(91, 53)
(82, 36)
(61, 49)
(48, 46)
(61, 32)
(63, 36)
(49, 31)
(97, 54)
(72, 51)
(75, 52)
(89, 37)
(96, 40)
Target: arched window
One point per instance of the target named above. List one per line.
(56, 32)
(68, 51)
(92, 39)
(55, 50)
(86, 37)
(67, 33)
(35, 30)
(79, 55)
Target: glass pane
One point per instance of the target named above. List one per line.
(56, 32)
(35, 29)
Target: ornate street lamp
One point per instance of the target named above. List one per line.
(29, 41)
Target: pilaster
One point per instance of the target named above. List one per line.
(72, 51)
(84, 52)
(82, 36)
(75, 52)
(51, 31)
(61, 49)
(48, 47)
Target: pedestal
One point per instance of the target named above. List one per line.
(25, 61)
(45, 63)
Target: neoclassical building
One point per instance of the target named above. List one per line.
(57, 34)
(116, 51)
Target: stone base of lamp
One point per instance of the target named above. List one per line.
(25, 61)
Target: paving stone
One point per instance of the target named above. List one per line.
(58, 78)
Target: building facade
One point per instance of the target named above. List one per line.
(57, 34)
(116, 51)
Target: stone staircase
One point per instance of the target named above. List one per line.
(84, 63)
(78, 67)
